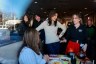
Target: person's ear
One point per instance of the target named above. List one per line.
(80, 20)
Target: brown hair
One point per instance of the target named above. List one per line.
(63, 21)
(51, 14)
(31, 39)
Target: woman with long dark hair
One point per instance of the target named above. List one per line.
(50, 27)
(30, 53)
(24, 25)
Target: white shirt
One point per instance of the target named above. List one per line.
(51, 31)
(28, 56)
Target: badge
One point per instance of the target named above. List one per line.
(80, 30)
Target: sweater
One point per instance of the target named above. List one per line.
(51, 31)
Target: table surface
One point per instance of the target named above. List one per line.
(59, 57)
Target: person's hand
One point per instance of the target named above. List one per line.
(81, 45)
(46, 57)
(84, 47)
(64, 40)
(60, 36)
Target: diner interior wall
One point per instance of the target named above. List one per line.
(94, 19)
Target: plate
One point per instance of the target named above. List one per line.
(65, 62)
(53, 58)
(55, 62)
(65, 58)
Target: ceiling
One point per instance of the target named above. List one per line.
(64, 7)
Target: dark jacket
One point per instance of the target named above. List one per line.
(36, 23)
(23, 27)
(79, 34)
(91, 32)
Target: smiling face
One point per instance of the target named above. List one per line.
(25, 18)
(76, 19)
(54, 17)
(37, 18)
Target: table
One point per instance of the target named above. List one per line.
(61, 59)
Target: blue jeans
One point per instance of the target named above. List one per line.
(53, 48)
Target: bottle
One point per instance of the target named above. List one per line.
(73, 60)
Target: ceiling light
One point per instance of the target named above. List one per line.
(86, 14)
(80, 12)
(54, 8)
(41, 8)
(35, 2)
(94, 1)
(85, 8)
(45, 12)
(65, 12)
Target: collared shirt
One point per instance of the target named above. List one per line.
(75, 34)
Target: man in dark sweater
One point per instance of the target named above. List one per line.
(36, 22)
(91, 31)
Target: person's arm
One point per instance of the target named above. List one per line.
(63, 27)
(68, 34)
(84, 47)
(41, 26)
(28, 57)
(43, 60)
(85, 36)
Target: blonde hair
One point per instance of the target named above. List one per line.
(79, 16)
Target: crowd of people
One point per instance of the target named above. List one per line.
(71, 38)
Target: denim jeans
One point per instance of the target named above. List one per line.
(53, 48)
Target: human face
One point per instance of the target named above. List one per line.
(25, 18)
(37, 18)
(76, 19)
(53, 18)
(89, 23)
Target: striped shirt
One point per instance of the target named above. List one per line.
(28, 56)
